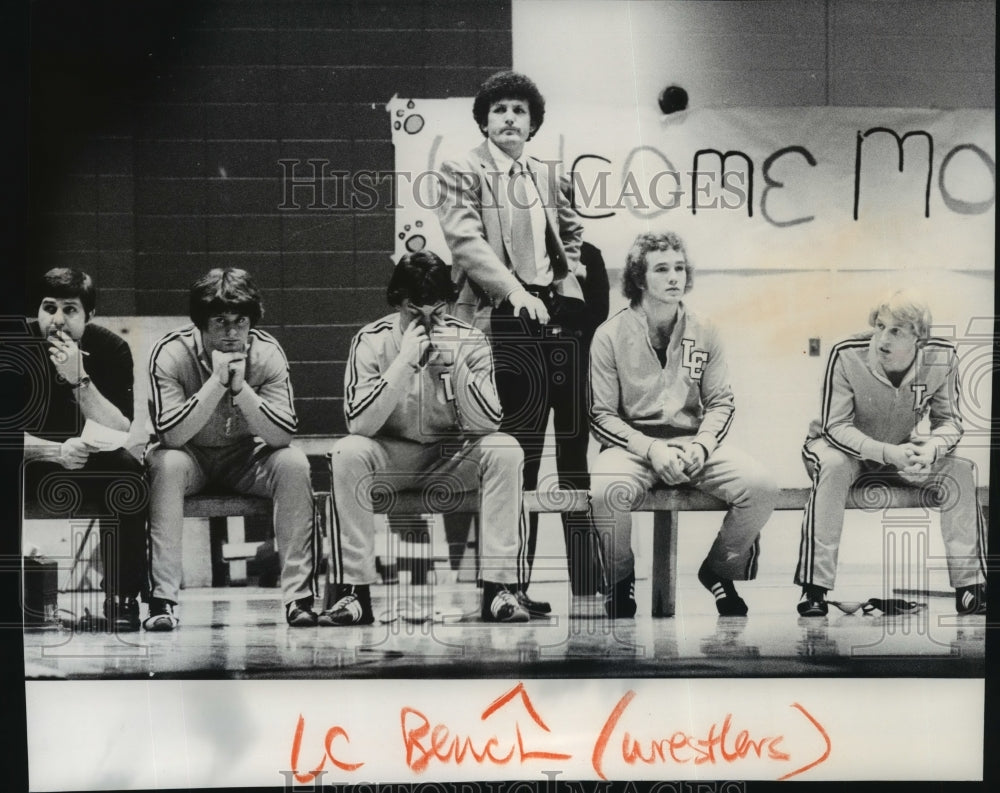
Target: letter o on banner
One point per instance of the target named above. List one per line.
(957, 204)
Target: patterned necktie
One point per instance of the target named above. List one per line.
(520, 222)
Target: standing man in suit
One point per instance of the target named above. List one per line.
(515, 245)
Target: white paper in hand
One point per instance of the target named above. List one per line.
(103, 438)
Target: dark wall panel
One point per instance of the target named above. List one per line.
(158, 134)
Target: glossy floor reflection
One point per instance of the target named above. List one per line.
(434, 631)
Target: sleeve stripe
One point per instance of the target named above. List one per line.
(485, 404)
(488, 403)
(160, 422)
(353, 411)
(290, 424)
(724, 429)
(837, 445)
(603, 433)
(164, 423)
(828, 391)
(268, 338)
(957, 408)
(350, 387)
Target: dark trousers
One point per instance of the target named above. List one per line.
(542, 369)
(112, 487)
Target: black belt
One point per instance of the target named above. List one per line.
(544, 293)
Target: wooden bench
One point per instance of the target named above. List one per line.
(666, 503)
(216, 507)
(219, 507)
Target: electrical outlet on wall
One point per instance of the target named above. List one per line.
(813, 347)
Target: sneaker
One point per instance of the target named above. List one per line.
(299, 613)
(813, 602)
(121, 614)
(161, 616)
(620, 602)
(535, 608)
(353, 606)
(971, 599)
(727, 602)
(500, 604)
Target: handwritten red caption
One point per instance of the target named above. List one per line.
(426, 742)
(721, 744)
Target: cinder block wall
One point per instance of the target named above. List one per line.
(157, 134)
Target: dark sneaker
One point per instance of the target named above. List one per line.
(121, 615)
(161, 616)
(813, 603)
(971, 599)
(535, 608)
(299, 613)
(727, 602)
(353, 606)
(620, 602)
(502, 605)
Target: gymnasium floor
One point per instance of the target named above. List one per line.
(434, 631)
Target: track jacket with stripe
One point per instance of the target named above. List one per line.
(453, 395)
(862, 411)
(634, 400)
(179, 370)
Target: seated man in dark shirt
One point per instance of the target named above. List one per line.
(85, 374)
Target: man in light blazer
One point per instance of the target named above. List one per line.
(515, 245)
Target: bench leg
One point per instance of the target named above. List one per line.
(218, 531)
(664, 564)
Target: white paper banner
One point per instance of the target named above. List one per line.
(764, 189)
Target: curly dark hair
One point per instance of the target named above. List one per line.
(509, 85)
(224, 290)
(634, 275)
(423, 278)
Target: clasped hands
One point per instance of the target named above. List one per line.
(230, 368)
(675, 465)
(911, 458)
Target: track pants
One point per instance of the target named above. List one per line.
(364, 470)
(619, 479)
(951, 485)
(247, 467)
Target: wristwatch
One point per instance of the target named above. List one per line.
(83, 382)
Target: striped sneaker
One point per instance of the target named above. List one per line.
(501, 605)
(299, 613)
(971, 599)
(161, 616)
(353, 606)
(813, 602)
(727, 602)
